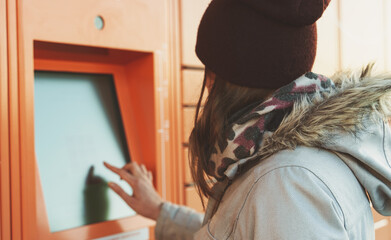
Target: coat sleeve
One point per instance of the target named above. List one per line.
(177, 222)
(290, 203)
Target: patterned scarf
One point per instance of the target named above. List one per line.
(245, 135)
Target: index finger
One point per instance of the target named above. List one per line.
(125, 175)
(112, 168)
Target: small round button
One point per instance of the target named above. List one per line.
(99, 22)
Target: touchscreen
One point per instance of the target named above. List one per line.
(78, 125)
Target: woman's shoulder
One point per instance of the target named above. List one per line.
(322, 164)
(312, 159)
(309, 177)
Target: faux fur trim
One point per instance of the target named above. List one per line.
(314, 122)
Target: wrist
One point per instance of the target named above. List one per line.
(155, 211)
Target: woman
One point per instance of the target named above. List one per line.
(298, 164)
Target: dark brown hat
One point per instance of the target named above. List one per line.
(259, 43)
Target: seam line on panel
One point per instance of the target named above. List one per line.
(8, 117)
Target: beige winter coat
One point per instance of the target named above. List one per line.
(321, 163)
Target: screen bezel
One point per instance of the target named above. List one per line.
(125, 89)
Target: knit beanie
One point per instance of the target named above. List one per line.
(259, 43)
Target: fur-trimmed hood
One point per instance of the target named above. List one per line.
(351, 121)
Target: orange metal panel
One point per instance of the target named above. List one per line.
(174, 91)
(187, 175)
(327, 59)
(188, 122)
(152, 233)
(192, 84)
(135, 24)
(142, 99)
(5, 204)
(191, 13)
(12, 36)
(363, 39)
(161, 125)
(382, 226)
(27, 165)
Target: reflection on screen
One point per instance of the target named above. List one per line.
(78, 125)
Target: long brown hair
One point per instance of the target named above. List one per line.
(224, 100)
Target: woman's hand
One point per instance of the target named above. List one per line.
(145, 200)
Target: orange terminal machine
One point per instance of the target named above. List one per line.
(87, 84)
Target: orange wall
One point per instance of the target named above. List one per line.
(32, 27)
